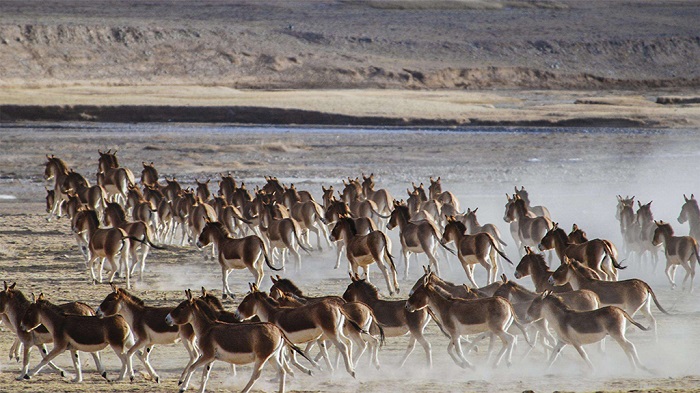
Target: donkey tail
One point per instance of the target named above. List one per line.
(608, 250)
(296, 236)
(267, 259)
(656, 301)
(495, 247)
(632, 321)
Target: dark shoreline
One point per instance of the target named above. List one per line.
(273, 116)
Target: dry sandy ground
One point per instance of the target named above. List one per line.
(342, 107)
(576, 173)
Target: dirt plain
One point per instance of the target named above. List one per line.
(624, 74)
(578, 183)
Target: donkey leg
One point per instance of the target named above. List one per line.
(98, 364)
(205, 376)
(386, 277)
(584, 355)
(409, 349)
(57, 350)
(338, 340)
(469, 270)
(507, 350)
(257, 370)
(76, 363)
(555, 353)
(458, 351)
(224, 279)
(668, 274)
(427, 348)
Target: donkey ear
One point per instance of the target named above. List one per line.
(5, 283)
(33, 298)
(114, 287)
(639, 204)
(685, 197)
(574, 228)
(204, 291)
(426, 280)
(274, 281)
(425, 269)
(504, 278)
(352, 278)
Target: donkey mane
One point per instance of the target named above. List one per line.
(52, 307)
(539, 260)
(351, 224)
(206, 310)
(460, 226)
(117, 209)
(286, 285)
(219, 227)
(584, 270)
(368, 288)
(62, 166)
(213, 302)
(132, 297)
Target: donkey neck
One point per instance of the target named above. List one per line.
(471, 223)
(561, 243)
(15, 310)
(52, 320)
(130, 309)
(438, 303)
(540, 277)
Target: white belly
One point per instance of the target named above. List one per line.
(162, 338)
(466, 330)
(304, 336)
(395, 331)
(234, 263)
(86, 348)
(585, 338)
(234, 357)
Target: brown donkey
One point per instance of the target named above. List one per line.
(472, 249)
(148, 325)
(363, 250)
(103, 243)
(393, 316)
(13, 306)
(114, 179)
(78, 332)
(322, 320)
(691, 212)
(416, 237)
(244, 253)
(288, 294)
(116, 217)
(492, 315)
(240, 343)
(680, 250)
(579, 328)
(529, 229)
(444, 197)
(630, 295)
(595, 253)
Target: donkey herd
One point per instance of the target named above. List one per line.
(119, 221)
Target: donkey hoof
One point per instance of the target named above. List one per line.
(104, 375)
(353, 374)
(27, 377)
(310, 372)
(131, 378)
(63, 373)
(179, 383)
(157, 379)
(224, 296)
(182, 390)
